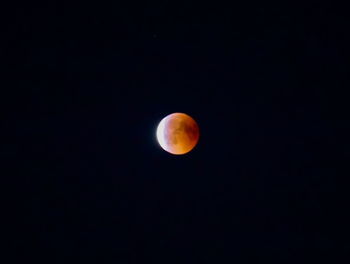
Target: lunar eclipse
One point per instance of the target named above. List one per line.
(178, 133)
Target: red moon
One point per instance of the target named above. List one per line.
(178, 133)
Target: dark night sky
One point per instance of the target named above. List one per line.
(87, 84)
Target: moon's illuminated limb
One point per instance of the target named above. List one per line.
(177, 133)
(160, 134)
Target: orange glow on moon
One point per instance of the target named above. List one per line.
(178, 133)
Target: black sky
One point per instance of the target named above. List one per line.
(87, 84)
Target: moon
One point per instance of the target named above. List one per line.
(178, 133)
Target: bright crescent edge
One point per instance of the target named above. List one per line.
(160, 134)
